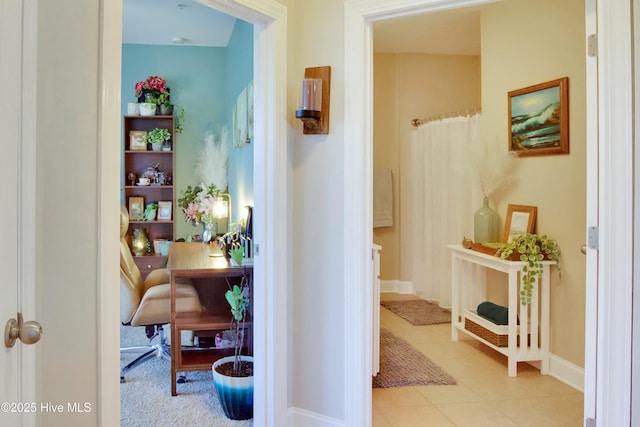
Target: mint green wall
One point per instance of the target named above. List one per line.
(202, 81)
(240, 73)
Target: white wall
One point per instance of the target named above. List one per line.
(317, 317)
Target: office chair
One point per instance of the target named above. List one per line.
(147, 302)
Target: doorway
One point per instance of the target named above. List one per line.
(360, 17)
(422, 101)
(269, 218)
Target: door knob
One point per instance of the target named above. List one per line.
(583, 249)
(28, 332)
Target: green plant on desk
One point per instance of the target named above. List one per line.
(237, 254)
(532, 249)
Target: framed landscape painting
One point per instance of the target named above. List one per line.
(539, 119)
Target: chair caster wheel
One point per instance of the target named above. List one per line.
(121, 379)
(181, 379)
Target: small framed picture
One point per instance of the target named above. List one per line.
(520, 220)
(164, 211)
(136, 208)
(138, 140)
(539, 119)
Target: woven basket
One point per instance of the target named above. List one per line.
(496, 338)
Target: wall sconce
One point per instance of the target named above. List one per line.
(314, 100)
(222, 208)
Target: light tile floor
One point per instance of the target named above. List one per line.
(484, 394)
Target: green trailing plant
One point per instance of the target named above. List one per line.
(158, 136)
(532, 249)
(238, 299)
(179, 124)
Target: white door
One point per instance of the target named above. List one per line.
(16, 222)
(9, 194)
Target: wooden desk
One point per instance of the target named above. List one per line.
(193, 260)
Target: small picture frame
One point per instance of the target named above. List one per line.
(164, 210)
(138, 140)
(520, 220)
(539, 119)
(136, 208)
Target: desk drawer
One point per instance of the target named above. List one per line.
(146, 264)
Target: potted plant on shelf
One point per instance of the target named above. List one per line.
(233, 375)
(533, 249)
(164, 102)
(157, 137)
(147, 93)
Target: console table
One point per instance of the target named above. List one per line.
(194, 260)
(531, 343)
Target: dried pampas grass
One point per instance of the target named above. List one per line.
(495, 170)
(213, 161)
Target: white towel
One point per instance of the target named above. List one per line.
(382, 198)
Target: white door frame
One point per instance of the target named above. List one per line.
(611, 295)
(613, 206)
(271, 177)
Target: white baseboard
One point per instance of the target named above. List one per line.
(567, 372)
(302, 418)
(397, 286)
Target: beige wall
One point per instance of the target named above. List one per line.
(408, 86)
(517, 53)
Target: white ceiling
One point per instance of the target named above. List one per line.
(455, 32)
(162, 21)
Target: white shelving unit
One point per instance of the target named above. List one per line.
(468, 269)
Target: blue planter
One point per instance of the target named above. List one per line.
(235, 393)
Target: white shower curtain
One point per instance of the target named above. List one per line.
(446, 194)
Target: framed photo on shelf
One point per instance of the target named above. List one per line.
(138, 140)
(539, 119)
(164, 210)
(136, 208)
(520, 220)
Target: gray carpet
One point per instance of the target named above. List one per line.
(403, 365)
(418, 312)
(145, 397)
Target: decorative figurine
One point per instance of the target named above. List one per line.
(132, 178)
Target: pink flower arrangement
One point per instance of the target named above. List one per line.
(197, 203)
(153, 84)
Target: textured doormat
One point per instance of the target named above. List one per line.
(403, 365)
(419, 312)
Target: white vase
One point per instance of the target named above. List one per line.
(133, 109)
(156, 146)
(147, 109)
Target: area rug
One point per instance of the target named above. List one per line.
(403, 365)
(418, 312)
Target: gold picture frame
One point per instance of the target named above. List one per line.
(136, 208)
(520, 219)
(164, 210)
(138, 140)
(539, 119)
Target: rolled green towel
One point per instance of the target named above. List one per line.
(494, 313)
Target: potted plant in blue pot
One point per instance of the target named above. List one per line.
(233, 375)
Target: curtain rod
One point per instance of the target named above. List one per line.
(469, 112)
